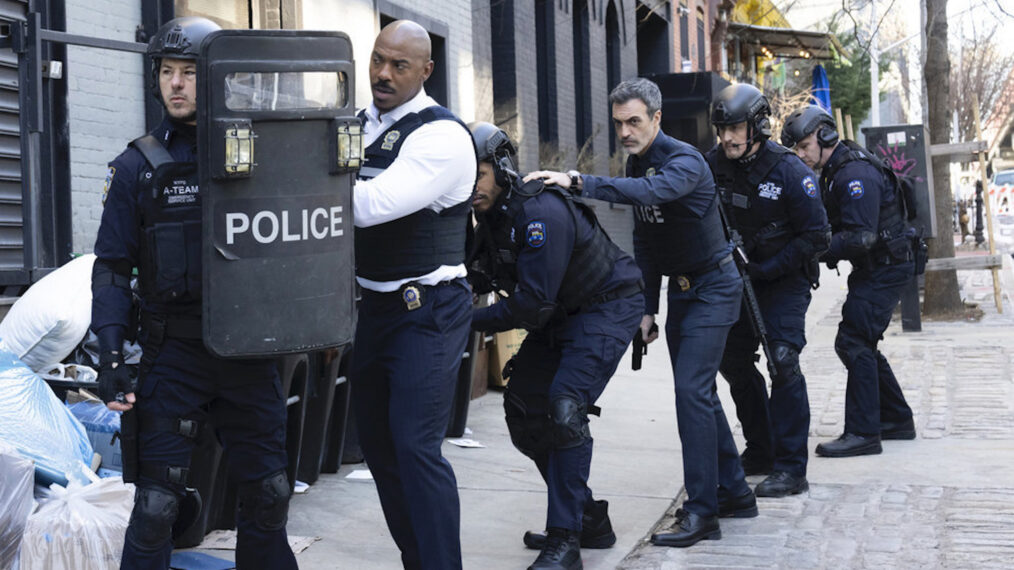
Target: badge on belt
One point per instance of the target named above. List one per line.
(683, 282)
(412, 297)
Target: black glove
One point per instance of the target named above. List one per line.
(114, 377)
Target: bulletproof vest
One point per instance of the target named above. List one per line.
(592, 261)
(170, 205)
(492, 263)
(678, 240)
(891, 217)
(422, 241)
(764, 233)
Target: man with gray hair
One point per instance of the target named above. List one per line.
(678, 232)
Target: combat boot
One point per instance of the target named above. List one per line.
(562, 551)
(596, 529)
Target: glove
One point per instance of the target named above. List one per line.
(114, 377)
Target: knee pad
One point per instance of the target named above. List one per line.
(570, 422)
(151, 521)
(529, 426)
(786, 361)
(266, 501)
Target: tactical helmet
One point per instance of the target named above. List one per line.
(179, 38)
(494, 146)
(804, 121)
(743, 103)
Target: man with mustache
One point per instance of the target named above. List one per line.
(152, 221)
(678, 233)
(580, 297)
(411, 214)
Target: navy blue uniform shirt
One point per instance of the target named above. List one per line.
(120, 231)
(854, 198)
(678, 173)
(545, 232)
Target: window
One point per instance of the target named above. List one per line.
(582, 74)
(684, 31)
(545, 48)
(701, 41)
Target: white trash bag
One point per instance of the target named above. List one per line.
(79, 527)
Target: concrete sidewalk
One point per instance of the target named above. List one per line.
(945, 500)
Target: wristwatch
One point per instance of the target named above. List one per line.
(575, 180)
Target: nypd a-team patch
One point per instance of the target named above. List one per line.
(109, 182)
(856, 189)
(810, 187)
(535, 234)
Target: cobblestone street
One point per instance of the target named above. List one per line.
(945, 500)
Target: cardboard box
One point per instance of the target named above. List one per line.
(505, 345)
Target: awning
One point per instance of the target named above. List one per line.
(787, 42)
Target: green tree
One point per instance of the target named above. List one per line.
(850, 79)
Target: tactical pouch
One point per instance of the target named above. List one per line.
(128, 445)
(899, 249)
(921, 253)
(770, 240)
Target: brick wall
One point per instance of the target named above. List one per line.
(105, 97)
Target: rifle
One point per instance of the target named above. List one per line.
(640, 347)
(749, 295)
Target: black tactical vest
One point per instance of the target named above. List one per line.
(591, 262)
(677, 240)
(764, 234)
(170, 205)
(891, 218)
(422, 241)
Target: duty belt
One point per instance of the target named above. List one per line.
(685, 280)
(159, 327)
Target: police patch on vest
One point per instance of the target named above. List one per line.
(856, 189)
(810, 187)
(109, 182)
(650, 171)
(769, 190)
(389, 140)
(536, 234)
(180, 192)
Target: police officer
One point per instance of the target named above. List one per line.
(411, 214)
(770, 197)
(866, 213)
(580, 297)
(678, 233)
(152, 221)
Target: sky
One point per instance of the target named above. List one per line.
(962, 15)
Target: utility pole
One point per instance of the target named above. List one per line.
(874, 68)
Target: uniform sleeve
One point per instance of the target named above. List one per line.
(857, 189)
(680, 175)
(435, 161)
(807, 220)
(116, 246)
(546, 231)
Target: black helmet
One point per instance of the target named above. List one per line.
(180, 38)
(743, 103)
(804, 121)
(494, 146)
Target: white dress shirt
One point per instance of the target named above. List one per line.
(435, 169)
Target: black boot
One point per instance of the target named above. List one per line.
(742, 507)
(850, 445)
(690, 529)
(897, 430)
(781, 484)
(596, 530)
(562, 551)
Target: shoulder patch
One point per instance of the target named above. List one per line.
(535, 234)
(810, 187)
(856, 189)
(109, 181)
